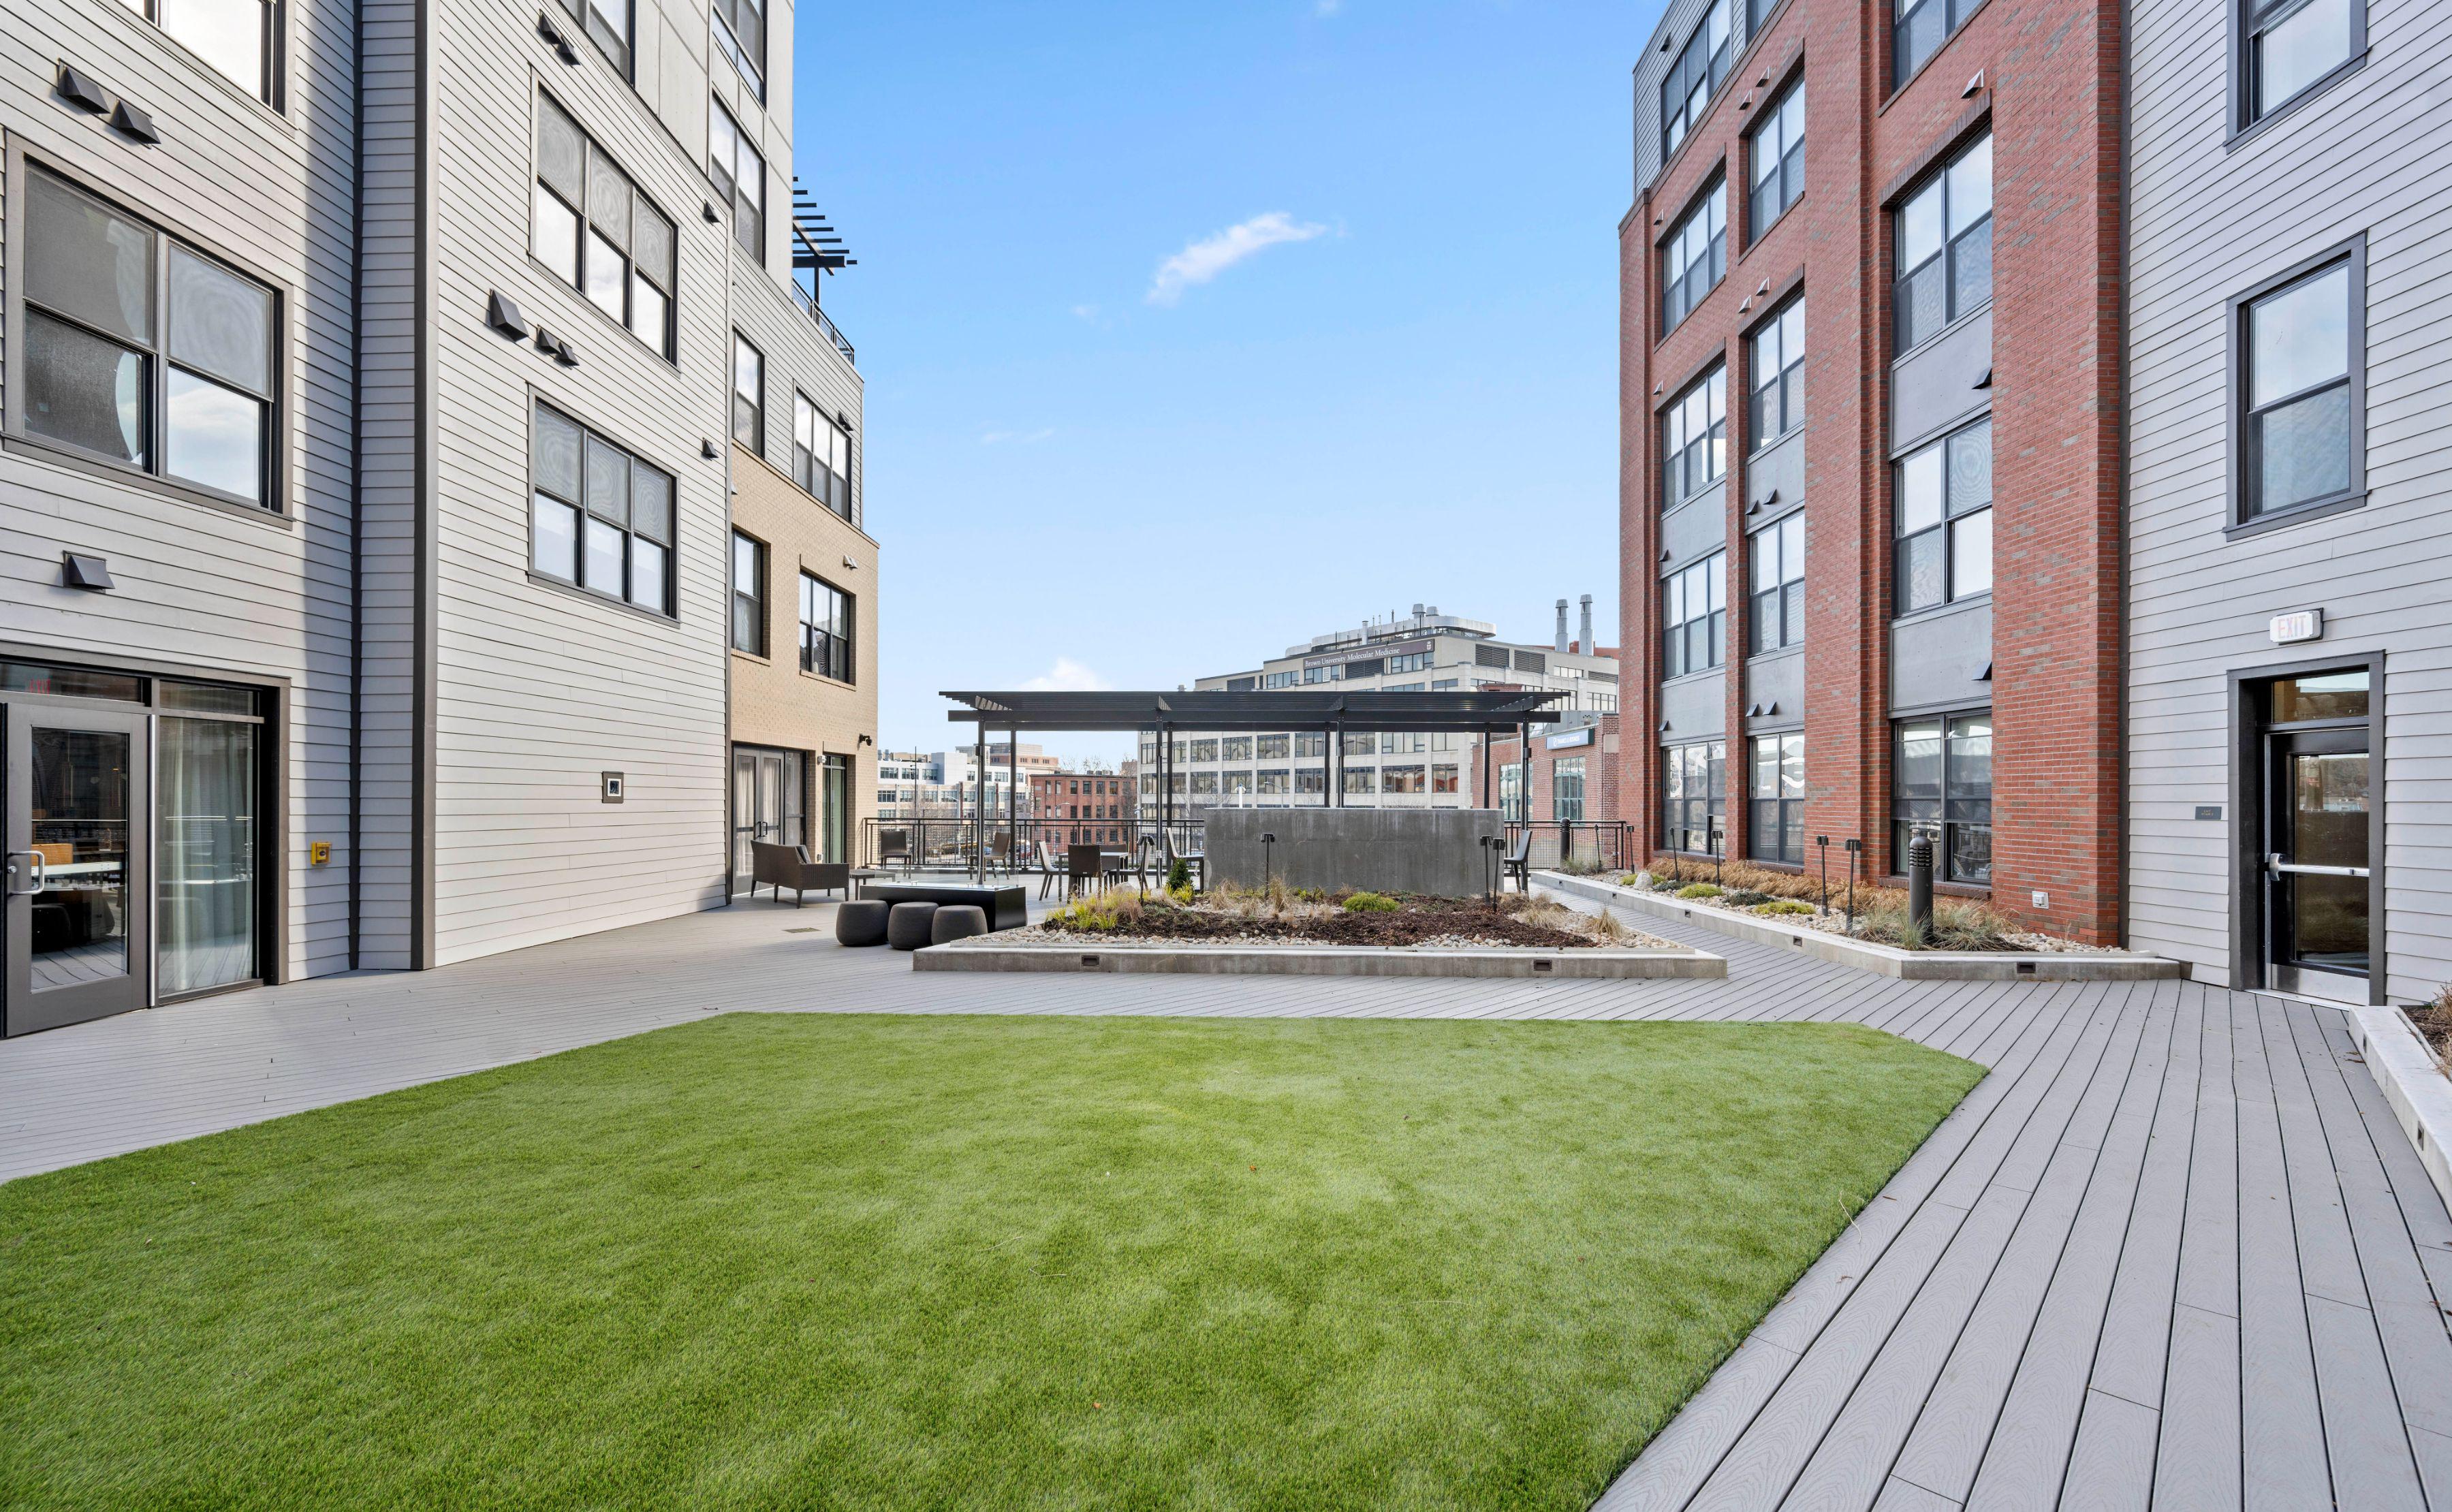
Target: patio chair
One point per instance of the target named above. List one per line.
(1049, 867)
(1519, 862)
(782, 866)
(892, 846)
(1083, 864)
(1000, 852)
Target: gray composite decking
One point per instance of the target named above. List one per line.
(2173, 1251)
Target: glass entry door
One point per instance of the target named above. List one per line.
(766, 805)
(77, 877)
(2316, 864)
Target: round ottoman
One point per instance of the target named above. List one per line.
(906, 927)
(861, 921)
(956, 921)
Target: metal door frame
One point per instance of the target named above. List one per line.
(24, 1011)
(2251, 739)
(2280, 746)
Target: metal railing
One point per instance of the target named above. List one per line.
(1575, 843)
(956, 844)
(816, 312)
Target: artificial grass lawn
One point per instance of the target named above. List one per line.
(873, 1262)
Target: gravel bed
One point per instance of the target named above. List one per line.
(1035, 935)
(1835, 922)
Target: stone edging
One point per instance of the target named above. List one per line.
(1885, 960)
(2419, 1094)
(982, 955)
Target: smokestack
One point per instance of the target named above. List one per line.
(1562, 627)
(1586, 642)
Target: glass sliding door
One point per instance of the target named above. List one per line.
(206, 853)
(834, 809)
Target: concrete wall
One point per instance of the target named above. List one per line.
(1432, 851)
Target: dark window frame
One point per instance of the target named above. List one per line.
(1710, 66)
(668, 347)
(1686, 472)
(1944, 526)
(827, 652)
(2237, 460)
(1902, 69)
(1785, 596)
(280, 412)
(1679, 298)
(1787, 382)
(1778, 808)
(621, 52)
(727, 41)
(1937, 180)
(1679, 635)
(2249, 20)
(578, 582)
(1789, 175)
(1903, 825)
(817, 477)
(756, 440)
(268, 92)
(750, 608)
(1711, 805)
(748, 219)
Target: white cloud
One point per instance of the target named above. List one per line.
(1327, 8)
(1020, 437)
(1067, 676)
(1087, 312)
(1205, 259)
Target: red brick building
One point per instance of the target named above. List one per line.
(1082, 808)
(1575, 774)
(1871, 439)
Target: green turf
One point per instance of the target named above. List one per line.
(997, 1263)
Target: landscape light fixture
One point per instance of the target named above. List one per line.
(1822, 846)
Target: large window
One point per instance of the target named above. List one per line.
(141, 351)
(820, 455)
(1778, 157)
(1207, 750)
(1942, 786)
(1943, 239)
(1920, 28)
(605, 21)
(1695, 616)
(1234, 748)
(1775, 375)
(600, 519)
(1694, 257)
(740, 175)
(1403, 779)
(1272, 748)
(1777, 555)
(748, 395)
(2289, 46)
(1944, 508)
(748, 594)
(1361, 780)
(1694, 440)
(1443, 778)
(1567, 789)
(2299, 404)
(235, 36)
(598, 233)
(826, 630)
(1776, 821)
(1694, 795)
(740, 35)
(1700, 67)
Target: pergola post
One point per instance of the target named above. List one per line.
(1485, 769)
(1012, 795)
(979, 811)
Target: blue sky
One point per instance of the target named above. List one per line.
(1193, 330)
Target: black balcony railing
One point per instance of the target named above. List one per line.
(958, 844)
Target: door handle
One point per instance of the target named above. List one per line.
(41, 868)
(2273, 862)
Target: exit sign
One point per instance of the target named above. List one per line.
(2300, 625)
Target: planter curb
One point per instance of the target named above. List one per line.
(1306, 960)
(1884, 960)
(2421, 1094)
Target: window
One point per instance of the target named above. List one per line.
(1942, 786)
(1234, 748)
(1944, 507)
(825, 630)
(1204, 751)
(600, 519)
(1272, 748)
(2299, 404)
(748, 395)
(739, 174)
(1333, 671)
(1311, 779)
(740, 35)
(1404, 742)
(1694, 257)
(1777, 155)
(143, 352)
(1364, 742)
(1943, 238)
(1361, 780)
(1310, 743)
(1442, 684)
(1694, 795)
(1700, 67)
(595, 231)
(1567, 790)
(1694, 440)
(748, 595)
(1775, 367)
(1777, 553)
(1510, 793)
(1411, 661)
(1695, 616)
(1280, 679)
(2289, 46)
(1443, 780)
(820, 455)
(234, 36)
(1403, 779)
(1920, 28)
(1775, 824)
(1234, 782)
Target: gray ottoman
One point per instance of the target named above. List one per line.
(861, 921)
(907, 926)
(956, 921)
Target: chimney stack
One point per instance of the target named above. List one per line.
(1562, 627)
(1585, 644)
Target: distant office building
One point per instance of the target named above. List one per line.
(1082, 808)
(1424, 651)
(1573, 778)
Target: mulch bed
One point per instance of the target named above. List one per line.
(1422, 919)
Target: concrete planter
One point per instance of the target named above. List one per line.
(1885, 960)
(2418, 1091)
(987, 954)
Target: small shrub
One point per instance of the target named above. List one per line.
(1310, 894)
(1607, 929)
(1699, 889)
(1098, 912)
(1179, 875)
(1664, 884)
(2433, 1021)
(1371, 903)
(1744, 897)
(1783, 905)
(1633, 880)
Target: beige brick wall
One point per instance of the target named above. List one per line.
(774, 702)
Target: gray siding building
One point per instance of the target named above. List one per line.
(370, 393)
(2289, 349)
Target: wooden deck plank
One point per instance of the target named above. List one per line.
(2282, 1432)
(2111, 1464)
(2137, 1322)
(2198, 1459)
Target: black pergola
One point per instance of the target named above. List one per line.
(1485, 713)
